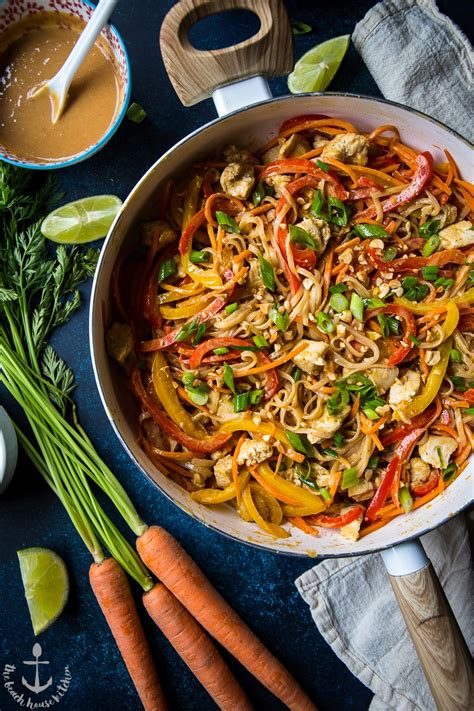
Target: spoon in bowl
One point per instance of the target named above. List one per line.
(58, 86)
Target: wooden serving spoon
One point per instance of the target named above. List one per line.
(58, 86)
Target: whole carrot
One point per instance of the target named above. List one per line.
(195, 648)
(163, 555)
(113, 593)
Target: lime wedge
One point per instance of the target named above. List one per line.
(46, 584)
(316, 69)
(81, 221)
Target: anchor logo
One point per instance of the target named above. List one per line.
(36, 688)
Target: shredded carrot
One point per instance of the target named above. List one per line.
(467, 197)
(274, 364)
(313, 153)
(300, 523)
(327, 274)
(455, 403)
(386, 180)
(378, 524)
(262, 208)
(235, 466)
(424, 367)
(467, 186)
(346, 245)
(243, 255)
(427, 497)
(279, 461)
(220, 241)
(335, 484)
(349, 169)
(319, 124)
(463, 455)
(355, 407)
(444, 428)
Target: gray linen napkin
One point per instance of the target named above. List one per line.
(420, 58)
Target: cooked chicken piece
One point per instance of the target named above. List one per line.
(351, 531)
(272, 154)
(311, 358)
(253, 452)
(383, 378)
(437, 450)
(461, 234)
(347, 148)
(361, 491)
(446, 216)
(200, 476)
(294, 146)
(419, 471)
(254, 276)
(223, 471)
(320, 474)
(404, 389)
(319, 230)
(234, 154)
(319, 140)
(160, 229)
(155, 435)
(225, 409)
(238, 179)
(326, 425)
(278, 182)
(119, 341)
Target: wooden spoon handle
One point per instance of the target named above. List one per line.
(441, 648)
(195, 74)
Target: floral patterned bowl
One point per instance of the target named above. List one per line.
(11, 11)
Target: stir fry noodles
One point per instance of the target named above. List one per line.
(298, 330)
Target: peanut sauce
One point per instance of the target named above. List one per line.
(32, 51)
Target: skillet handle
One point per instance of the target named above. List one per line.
(439, 643)
(195, 74)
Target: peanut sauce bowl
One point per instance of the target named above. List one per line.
(24, 13)
(249, 117)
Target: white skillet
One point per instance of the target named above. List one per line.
(233, 76)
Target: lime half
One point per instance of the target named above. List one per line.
(316, 69)
(81, 221)
(46, 584)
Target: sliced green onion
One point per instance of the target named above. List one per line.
(260, 341)
(450, 470)
(458, 382)
(338, 289)
(198, 257)
(255, 396)
(199, 395)
(267, 273)
(337, 211)
(455, 356)
(430, 273)
(300, 236)
(300, 28)
(296, 375)
(373, 463)
(324, 493)
(317, 203)
(166, 269)
(323, 166)
(339, 303)
(383, 323)
(406, 501)
(227, 222)
(338, 439)
(199, 334)
(241, 402)
(324, 322)
(468, 411)
(229, 378)
(370, 413)
(430, 227)
(279, 319)
(373, 302)
(258, 193)
(349, 478)
(187, 330)
(300, 443)
(220, 351)
(135, 113)
(338, 401)
(357, 306)
(188, 379)
(393, 324)
(431, 245)
(370, 231)
(230, 308)
(389, 254)
(414, 340)
(409, 282)
(330, 452)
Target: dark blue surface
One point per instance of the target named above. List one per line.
(258, 585)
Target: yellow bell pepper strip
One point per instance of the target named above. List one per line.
(191, 201)
(206, 445)
(302, 497)
(246, 424)
(164, 388)
(178, 293)
(267, 505)
(300, 511)
(271, 528)
(451, 320)
(428, 306)
(220, 496)
(187, 309)
(432, 385)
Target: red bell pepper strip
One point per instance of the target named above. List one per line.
(302, 257)
(447, 256)
(206, 445)
(212, 343)
(469, 395)
(391, 477)
(421, 178)
(328, 521)
(423, 420)
(194, 224)
(410, 330)
(466, 323)
(296, 120)
(303, 165)
(165, 341)
(423, 489)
